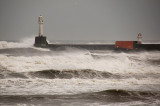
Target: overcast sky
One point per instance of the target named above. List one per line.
(81, 19)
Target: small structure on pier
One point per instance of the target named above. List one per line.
(139, 38)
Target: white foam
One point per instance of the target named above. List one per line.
(72, 86)
(121, 63)
(136, 103)
(72, 58)
(41, 49)
(114, 62)
(25, 43)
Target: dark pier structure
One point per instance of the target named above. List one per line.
(40, 41)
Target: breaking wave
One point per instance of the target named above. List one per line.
(111, 97)
(67, 74)
(29, 59)
(25, 43)
(41, 76)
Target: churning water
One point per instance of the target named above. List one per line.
(77, 77)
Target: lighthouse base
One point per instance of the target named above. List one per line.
(40, 41)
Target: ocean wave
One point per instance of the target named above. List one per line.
(36, 75)
(120, 95)
(4, 74)
(25, 43)
(27, 60)
(68, 74)
(37, 86)
(107, 97)
(11, 75)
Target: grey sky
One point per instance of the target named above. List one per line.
(81, 19)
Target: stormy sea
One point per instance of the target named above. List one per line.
(77, 77)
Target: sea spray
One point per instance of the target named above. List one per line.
(77, 76)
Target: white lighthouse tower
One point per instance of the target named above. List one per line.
(40, 40)
(139, 38)
(40, 21)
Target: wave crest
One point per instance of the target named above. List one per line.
(68, 74)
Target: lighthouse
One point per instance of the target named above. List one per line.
(40, 21)
(139, 38)
(40, 40)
